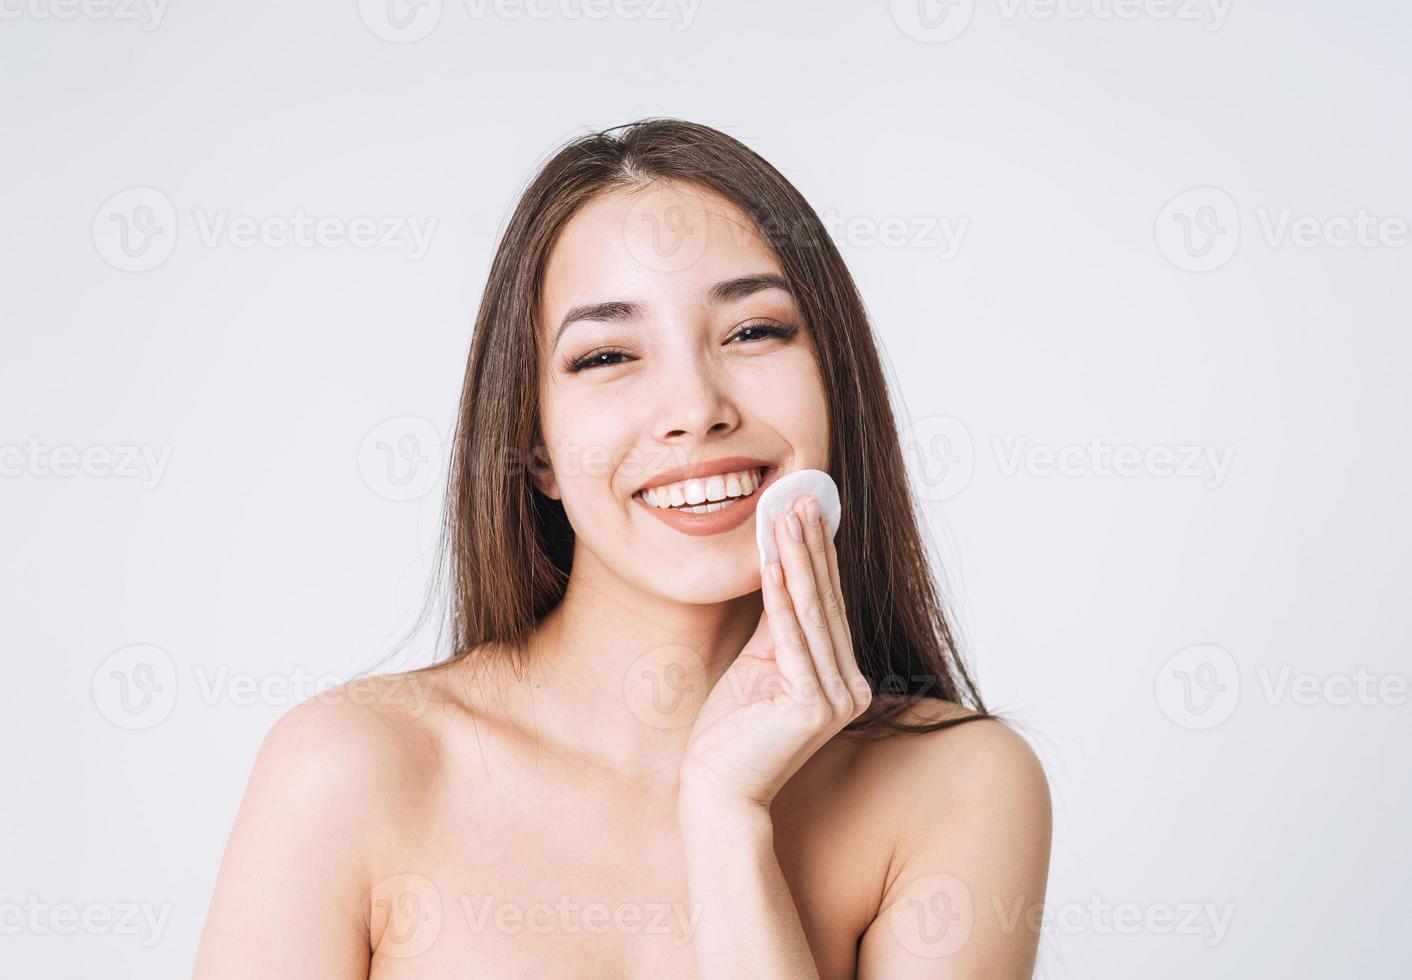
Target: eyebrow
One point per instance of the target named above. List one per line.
(726, 291)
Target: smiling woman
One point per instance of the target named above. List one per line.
(633, 717)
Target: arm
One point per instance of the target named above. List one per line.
(290, 897)
(794, 686)
(964, 898)
(747, 923)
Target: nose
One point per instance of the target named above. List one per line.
(695, 403)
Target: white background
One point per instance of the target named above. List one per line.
(1252, 819)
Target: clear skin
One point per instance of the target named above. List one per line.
(577, 823)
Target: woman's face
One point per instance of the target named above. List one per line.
(669, 339)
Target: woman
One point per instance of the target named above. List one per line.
(646, 758)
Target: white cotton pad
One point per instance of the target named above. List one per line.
(781, 495)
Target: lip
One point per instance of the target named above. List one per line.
(701, 470)
(716, 522)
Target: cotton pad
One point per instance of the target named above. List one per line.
(781, 495)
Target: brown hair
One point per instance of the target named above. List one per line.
(510, 547)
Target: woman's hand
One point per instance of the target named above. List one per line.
(795, 684)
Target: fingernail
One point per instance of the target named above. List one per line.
(795, 530)
(811, 510)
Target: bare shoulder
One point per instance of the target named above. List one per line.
(333, 778)
(338, 766)
(970, 824)
(975, 757)
(978, 770)
(376, 733)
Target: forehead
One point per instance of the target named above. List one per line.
(668, 240)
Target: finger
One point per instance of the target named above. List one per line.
(835, 579)
(804, 592)
(829, 605)
(831, 601)
(791, 653)
(848, 660)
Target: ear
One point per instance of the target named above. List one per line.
(542, 473)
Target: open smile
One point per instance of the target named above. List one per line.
(708, 505)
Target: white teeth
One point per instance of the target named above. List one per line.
(708, 508)
(700, 496)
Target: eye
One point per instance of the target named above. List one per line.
(766, 330)
(593, 359)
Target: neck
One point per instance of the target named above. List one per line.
(616, 674)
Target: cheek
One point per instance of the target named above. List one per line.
(793, 401)
(587, 438)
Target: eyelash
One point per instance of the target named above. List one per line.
(573, 366)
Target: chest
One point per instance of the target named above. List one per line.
(553, 877)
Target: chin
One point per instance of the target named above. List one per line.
(711, 584)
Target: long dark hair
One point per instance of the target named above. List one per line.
(508, 548)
